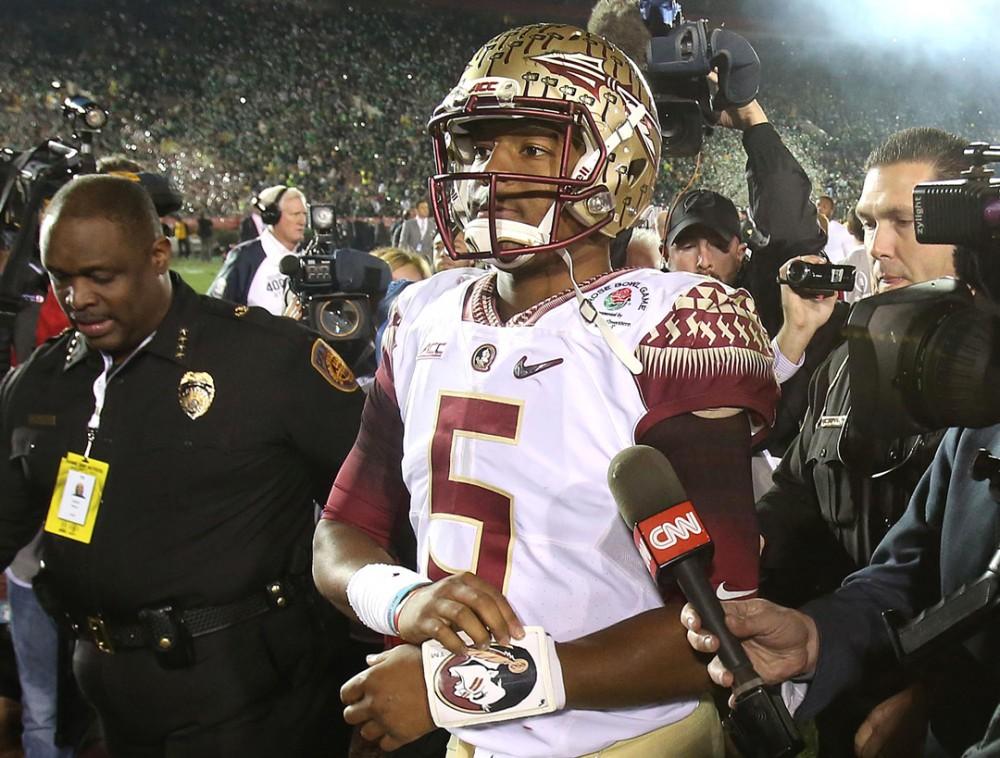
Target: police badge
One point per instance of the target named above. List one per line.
(196, 393)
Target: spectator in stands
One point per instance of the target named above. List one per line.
(251, 273)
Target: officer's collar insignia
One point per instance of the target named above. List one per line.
(75, 349)
(240, 311)
(196, 393)
(332, 367)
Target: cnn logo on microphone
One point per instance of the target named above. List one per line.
(670, 534)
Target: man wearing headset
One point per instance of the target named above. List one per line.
(250, 274)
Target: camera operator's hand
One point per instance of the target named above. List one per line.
(803, 315)
(741, 118)
(782, 643)
(293, 308)
(462, 602)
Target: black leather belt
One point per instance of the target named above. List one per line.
(161, 629)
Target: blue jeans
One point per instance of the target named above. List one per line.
(36, 649)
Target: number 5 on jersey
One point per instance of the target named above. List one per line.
(475, 509)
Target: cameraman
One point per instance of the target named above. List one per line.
(250, 275)
(827, 512)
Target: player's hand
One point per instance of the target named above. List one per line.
(741, 118)
(895, 727)
(389, 700)
(462, 602)
(782, 643)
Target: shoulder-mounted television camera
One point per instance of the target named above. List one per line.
(27, 179)
(963, 211)
(337, 288)
(927, 356)
(681, 55)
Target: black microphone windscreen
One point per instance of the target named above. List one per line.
(289, 265)
(643, 483)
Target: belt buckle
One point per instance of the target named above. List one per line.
(99, 633)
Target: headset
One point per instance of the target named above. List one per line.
(270, 214)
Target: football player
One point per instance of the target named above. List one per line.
(503, 396)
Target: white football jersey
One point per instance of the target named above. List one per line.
(508, 433)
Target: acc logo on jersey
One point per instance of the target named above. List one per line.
(483, 357)
(196, 393)
(332, 367)
(486, 681)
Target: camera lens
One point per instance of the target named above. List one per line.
(798, 272)
(95, 118)
(340, 319)
(322, 218)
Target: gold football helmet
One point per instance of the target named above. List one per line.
(584, 87)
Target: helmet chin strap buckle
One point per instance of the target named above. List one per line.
(590, 315)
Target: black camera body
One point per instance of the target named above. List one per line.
(338, 290)
(807, 278)
(964, 211)
(681, 55)
(926, 357)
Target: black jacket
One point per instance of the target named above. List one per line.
(196, 511)
(780, 202)
(823, 518)
(945, 539)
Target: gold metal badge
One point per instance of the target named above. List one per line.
(332, 367)
(196, 393)
(240, 311)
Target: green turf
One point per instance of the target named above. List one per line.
(197, 273)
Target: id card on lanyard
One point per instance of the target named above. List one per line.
(80, 480)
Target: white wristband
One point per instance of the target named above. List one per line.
(376, 590)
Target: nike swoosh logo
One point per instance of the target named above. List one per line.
(723, 594)
(522, 370)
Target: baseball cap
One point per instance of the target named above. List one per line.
(704, 208)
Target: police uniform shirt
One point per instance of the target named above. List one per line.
(219, 434)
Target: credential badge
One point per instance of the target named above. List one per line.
(196, 393)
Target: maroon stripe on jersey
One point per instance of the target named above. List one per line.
(709, 352)
(369, 492)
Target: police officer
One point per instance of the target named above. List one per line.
(172, 446)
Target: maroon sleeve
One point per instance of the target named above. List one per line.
(369, 492)
(712, 461)
(710, 351)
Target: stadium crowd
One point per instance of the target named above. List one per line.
(229, 97)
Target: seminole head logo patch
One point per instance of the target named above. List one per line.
(486, 681)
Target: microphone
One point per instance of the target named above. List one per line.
(674, 543)
(290, 265)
